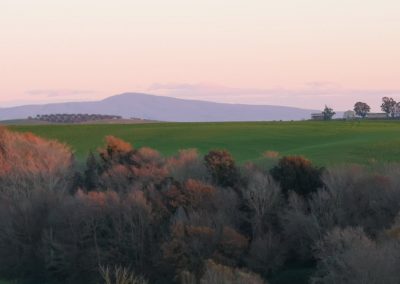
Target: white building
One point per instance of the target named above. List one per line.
(350, 114)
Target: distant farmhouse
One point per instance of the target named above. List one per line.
(73, 118)
(377, 115)
(350, 114)
(317, 116)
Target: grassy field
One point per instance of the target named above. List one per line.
(323, 142)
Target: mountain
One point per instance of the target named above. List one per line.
(163, 109)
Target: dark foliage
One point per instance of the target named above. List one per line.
(222, 168)
(361, 109)
(295, 173)
(328, 113)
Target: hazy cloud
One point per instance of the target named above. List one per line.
(50, 93)
(311, 94)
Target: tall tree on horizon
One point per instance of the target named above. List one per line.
(328, 113)
(361, 109)
(389, 106)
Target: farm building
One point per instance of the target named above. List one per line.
(317, 116)
(350, 114)
(377, 115)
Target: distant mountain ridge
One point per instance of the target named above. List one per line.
(162, 108)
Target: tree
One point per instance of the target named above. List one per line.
(361, 109)
(217, 273)
(297, 174)
(28, 163)
(222, 167)
(120, 275)
(350, 256)
(263, 197)
(396, 111)
(92, 177)
(389, 106)
(328, 113)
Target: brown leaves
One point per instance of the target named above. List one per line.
(30, 161)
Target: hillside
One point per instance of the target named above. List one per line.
(333, 142)
(160, 108)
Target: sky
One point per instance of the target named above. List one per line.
(304, 53)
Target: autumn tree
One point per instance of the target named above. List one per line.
(115, 151)
(188, 164)
(361, 109)
(297, 174)
(120, 166)
(189, 246)
(28, 162)
(222, 168)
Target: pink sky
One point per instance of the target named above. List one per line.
(305, 53)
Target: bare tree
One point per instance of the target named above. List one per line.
(120, 275)
(263, 195)
(348, 256)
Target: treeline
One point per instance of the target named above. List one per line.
(390, 108)
(134, 216)
(73, 118)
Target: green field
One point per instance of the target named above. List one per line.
(325, 143)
